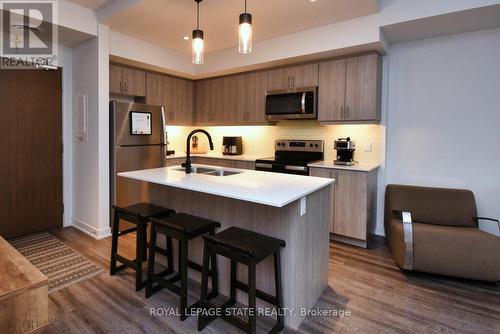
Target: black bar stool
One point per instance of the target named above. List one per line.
(182, 227)
(138, 214)
(250, 248)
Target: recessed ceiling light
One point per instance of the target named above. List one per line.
(312, 0)
(186, 38)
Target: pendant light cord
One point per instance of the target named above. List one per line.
(245, 6)
(198, 15)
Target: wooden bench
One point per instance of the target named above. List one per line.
(24, 298)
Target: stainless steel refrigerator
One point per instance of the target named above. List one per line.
(138, 141)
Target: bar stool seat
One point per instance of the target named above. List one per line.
(250, 248)
(138, 214)
(187, 224)
(145, 210)
(183, 227)
(256, 245)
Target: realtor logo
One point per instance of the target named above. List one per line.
(29, 34)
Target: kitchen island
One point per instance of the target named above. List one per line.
(289, 207)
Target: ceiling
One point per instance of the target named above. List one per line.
(166, 22)
(92, 4)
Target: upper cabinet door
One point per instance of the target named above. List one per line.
(279, 79)
(304, 76)
(255, 91)
(235, 112)
(202, 101)
(115, 79)
(134, 82)
(183, 102)
(363, 76)
(332, 90)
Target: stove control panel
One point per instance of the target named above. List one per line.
(299, 145)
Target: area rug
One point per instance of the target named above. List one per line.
(62, 265)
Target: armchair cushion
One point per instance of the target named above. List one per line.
(456, 251)
(439, 206)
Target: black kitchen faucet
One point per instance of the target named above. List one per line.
(187, 164)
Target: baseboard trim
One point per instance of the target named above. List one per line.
(91, 230)
(348, 240)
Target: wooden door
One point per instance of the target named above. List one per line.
(255, 91)
(331, 90)
(304, 76)
(31, 145)
(134, 82)
(279, 79)
(115, 79)
(350, 211)
(362, 88)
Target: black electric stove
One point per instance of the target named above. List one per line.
(292, 157)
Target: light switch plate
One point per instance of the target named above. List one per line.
(368, 147)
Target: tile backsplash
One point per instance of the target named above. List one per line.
(259, 140)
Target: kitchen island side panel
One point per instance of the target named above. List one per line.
(304, 260)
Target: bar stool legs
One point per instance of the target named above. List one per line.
(114, 244)
(183, 270)
(226, 243)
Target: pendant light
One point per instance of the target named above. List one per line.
(245, 32)
(198, 43)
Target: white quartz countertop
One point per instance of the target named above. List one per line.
(359, 167)
(266, 188)
(243, 157)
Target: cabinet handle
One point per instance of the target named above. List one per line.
(289, 82)
(293, 82)
(346, 112)
(342, 112)
(121, 87)
(125, 85)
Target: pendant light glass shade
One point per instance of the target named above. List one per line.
(198, 44)
(245, 33)
(198, 47)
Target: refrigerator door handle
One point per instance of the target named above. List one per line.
(163, 125)
(163, 150)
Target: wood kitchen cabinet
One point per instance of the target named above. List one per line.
(125, 80)
(293, 77)
(350, 89)
(353, 210)
(236, 99)
(175, 94)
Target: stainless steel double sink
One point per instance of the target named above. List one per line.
(210, 171)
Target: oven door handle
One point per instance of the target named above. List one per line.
(296, 168)
(303, 102)
(263, 165)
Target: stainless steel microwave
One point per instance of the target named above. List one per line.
(298, 103)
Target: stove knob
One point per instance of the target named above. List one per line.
(310, 145)
(316, 145)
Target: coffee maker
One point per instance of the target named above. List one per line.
(232, 146)
(345, 151)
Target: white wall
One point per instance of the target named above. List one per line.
(444, 115)
(91, 158)
(85, 162)
(66, 62)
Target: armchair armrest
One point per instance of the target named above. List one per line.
(408, 237)
(477, 219)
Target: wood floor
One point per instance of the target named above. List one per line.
(366, 283)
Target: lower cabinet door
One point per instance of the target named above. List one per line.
(350, 211)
